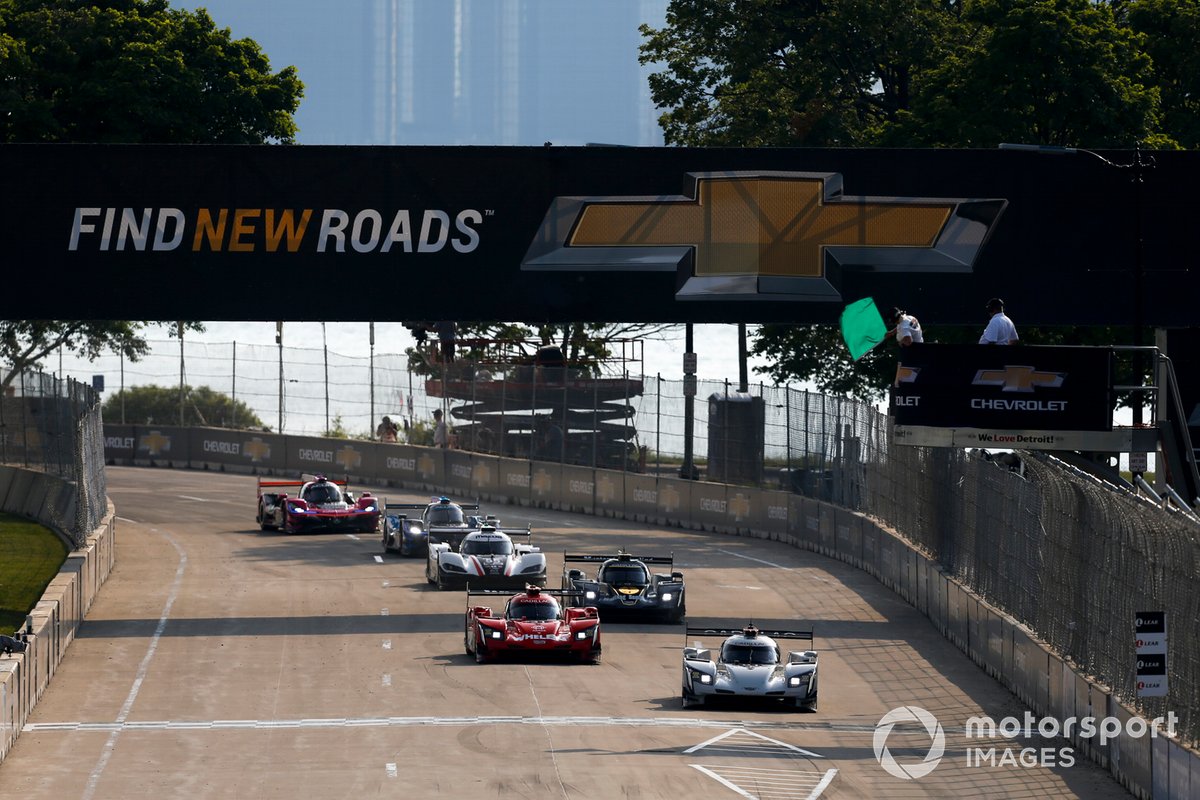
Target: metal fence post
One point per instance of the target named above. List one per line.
(658, 426)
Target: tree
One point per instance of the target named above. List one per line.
(790, 72)
(905, 73)
(159, 404)
(136, 71)
(1056, 72)
(24, 343)
(127, 71)
(1172, 32)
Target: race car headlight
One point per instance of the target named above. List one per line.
(589, 595)
(666, 596)
(532, 568)
(452, 568)
(495, 634)
(370, 508)
(701, 677)
(797, 680)
(583, 634)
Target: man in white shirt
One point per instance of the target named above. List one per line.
(1000, 329)
(907, 329)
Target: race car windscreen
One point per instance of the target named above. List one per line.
(445, 515)
(749, 654)
(542, 609)
(322, 493)
(487, 547)
(625, 574)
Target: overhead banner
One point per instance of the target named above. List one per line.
(605, 234)
(1017, 388)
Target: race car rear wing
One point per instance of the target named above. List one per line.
(295, 484)
(432, 501)
(600, 558)
(773, 631)
(454, 536)
(507, 593)
(413, 506)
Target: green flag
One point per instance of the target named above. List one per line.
(862, 327)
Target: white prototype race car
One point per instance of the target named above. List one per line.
(749, 665)
(487, 558)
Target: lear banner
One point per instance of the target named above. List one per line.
(1017, 388)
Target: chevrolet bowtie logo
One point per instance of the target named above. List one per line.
(1018, 379)
(906, 374)
(784, 235)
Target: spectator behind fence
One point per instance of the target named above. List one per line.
(387, 431)
(446, 339)
(1000, 329)
(441, 434)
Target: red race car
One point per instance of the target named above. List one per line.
(318, 505)
(533, 623)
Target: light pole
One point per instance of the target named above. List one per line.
(1137, 167)
(325, 350)
(371, 376)
(279, 341)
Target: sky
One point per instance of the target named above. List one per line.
(330, 56)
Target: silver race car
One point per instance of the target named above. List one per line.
(484, 559)
(749, 664)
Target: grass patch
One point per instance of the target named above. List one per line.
(30, 557)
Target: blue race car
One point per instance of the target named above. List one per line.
(409, 536)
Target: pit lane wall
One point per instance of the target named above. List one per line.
(55, 619)
(1148, 767)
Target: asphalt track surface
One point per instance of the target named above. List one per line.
(223, 661)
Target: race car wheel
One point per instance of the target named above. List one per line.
(689, 699)
(428, 574)
(466, 645)
(480, 653)
(442, 584)
(807, 705)
(386, 549)
(595, 656)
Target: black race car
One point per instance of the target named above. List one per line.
(625, 586)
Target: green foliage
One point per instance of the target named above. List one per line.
(1172, 30)
(336, 429)
(136, 71)
(1055, 72)
(420, 433)
(30, 557)
(921, 73)
(159, 404)
(24, 343)
(788, 73)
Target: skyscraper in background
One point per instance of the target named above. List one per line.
(502, 72)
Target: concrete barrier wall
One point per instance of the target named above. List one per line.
(997, 643)
(57, 616)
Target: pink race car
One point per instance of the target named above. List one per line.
(318, 505)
